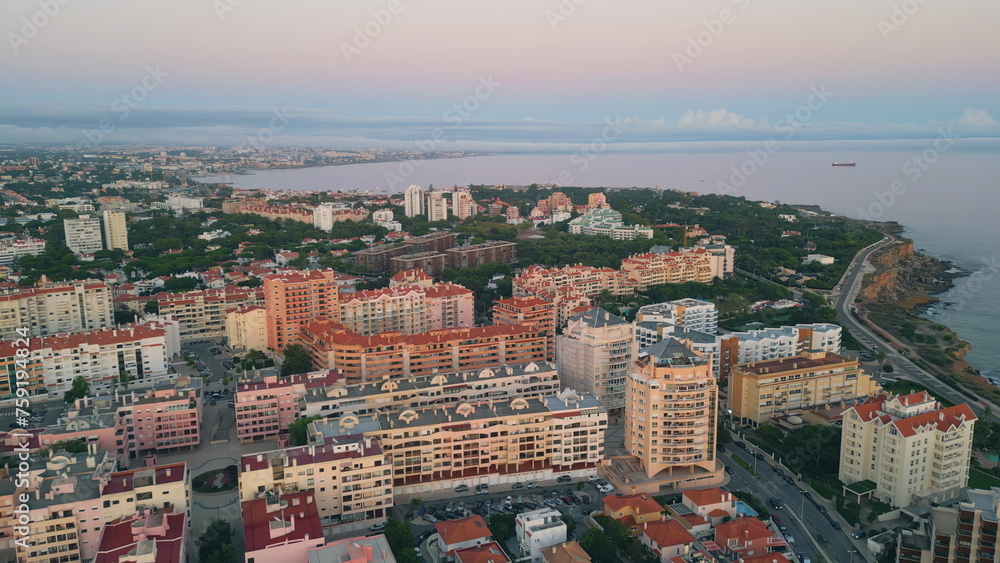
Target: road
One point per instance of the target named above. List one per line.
(846, 292)
(812, 529)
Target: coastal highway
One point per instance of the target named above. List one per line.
(844, 294)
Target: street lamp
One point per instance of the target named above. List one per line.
(802, 503)
(853, 551)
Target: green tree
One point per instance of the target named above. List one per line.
(597, 545)
(180, 284)
(297, 360)
(399, 535)
(416, 503)
(502, 526)
(213, 544)
(408, 555)
(298, 429)
(152, 307)
(615, 530)
(251, 359)
(79, 390)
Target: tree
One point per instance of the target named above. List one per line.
(180, 284)
(216, 543)
(408, 555)
(250, 359)
(296, 361)
(416, 503)
(71, 446)
(597, 545)
(502, 526)
(297, 430)
(152, 307)
(399, 535)
(79, 390)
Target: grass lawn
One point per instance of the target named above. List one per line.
(981, 480)
(821, 488)
(745, 464)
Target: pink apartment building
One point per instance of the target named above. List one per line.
(281, 528)
(266, 403)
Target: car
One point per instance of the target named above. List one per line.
(430, 518)
(779, 471)
(789, 479)
(517, 486)
(782, 528)
(462, 489)
(776, 519)
(593, 478)
(759, 455)
(461, 506)
(564, 479)
(835, 524)
(417, 549)
(739, 444)
(729, 470)
(803, 558)
(859, 535)
(777, 504)
(789, 538)
(212, 403)
(532, 485)
(421, 511)
(483, 492)
(377, 527)
(232, 405)
(449, 508)
(225, 391)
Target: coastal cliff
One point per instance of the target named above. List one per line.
(906, 278)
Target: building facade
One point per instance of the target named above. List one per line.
(913, 449)
(594, 354)
(115, 230)
(203, 314)
(295, 299)
(475, 255)
(246, 327)
(83, 234)
(413, 201)
(692, 314)
(51, 308)
(533, 310)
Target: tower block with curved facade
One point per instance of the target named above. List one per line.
(671, 410)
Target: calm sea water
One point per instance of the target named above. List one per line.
(948, 200)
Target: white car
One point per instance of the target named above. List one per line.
(789, 538)
(378, 527)
(532, 485)
(593, 478)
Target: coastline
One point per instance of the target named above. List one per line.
(250, 171)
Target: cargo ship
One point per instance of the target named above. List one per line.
(845, 164)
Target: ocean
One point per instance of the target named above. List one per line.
(946, 197)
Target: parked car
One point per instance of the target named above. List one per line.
(803, 558)
(462, 489)
(564, 479)
(532, 485)
(777, 504)
(430, 518)
(378, 527)
(518, 486)
(593, 478)
(483, 492)
(776, 519)
(835, 524)
(449, 508)
(232, 404)
(789, 538)
(739, 444)
(860, 535)
(729, 470)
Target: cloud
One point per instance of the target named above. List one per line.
(716, 119)
(976, 118)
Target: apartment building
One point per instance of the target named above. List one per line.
(671, 409)
(607, 222)
(413, 201)
(20, 373)
(432, 242)
(534, 310)
(276, 212)
(475, 255)
(405, 278)
(462, 204)
(668, 539)
(692, 314)
(594, 354)
(202, 314)
(402, 309)
(50, 308)
(162, 488)
(503, 383)
(449, 305)
(774, 343)
(297, 298)
(361, 549)
(538, 529)
(325, 215)
(266, 403)
(13, 249)
(246, 327)
(570, 289)
(375, 260)
(651, 268)
(158, 537)
(101, 357)
(437, 206)
(914, 450)
(281, 528)
(83, 234)
(965, 530)
(393, 355)
(497, 443)
(115, 230)
(430, 261)
(349, 476)
(762, 390)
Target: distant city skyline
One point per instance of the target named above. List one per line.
(520, 75)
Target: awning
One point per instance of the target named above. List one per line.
(711, 545)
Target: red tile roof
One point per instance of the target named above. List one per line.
(743, 529)
(766, 558)
(941, 420)
(706, 497)
(454, 532)
(125, 480)
(299, 512)
(668, 532)
(166, 530)
(641, 503)
(486, 553)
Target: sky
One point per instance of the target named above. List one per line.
(507, 75)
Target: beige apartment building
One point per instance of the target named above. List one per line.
(651, 268)
(402, 309)
(115, 230)
(594, 354)
(763, 390)
(961, 532)
(202, 314)
(489, 442)
(671, 409)
(246, 327)
(349, 475)
(50, 308)
(390, 396)
(912, 449)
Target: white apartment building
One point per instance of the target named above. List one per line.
(609, 223)
(437, 206)
(782, 342)
(83, 235)
(184, 203)
(537, 530)
(325, 215)
(692, 314)
(594, 353)
(413, 201)
(382, 215)
(12, 249)
(142, 351)
(912, 449)
(50, 308)
(462, 204)
(115, 230)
